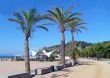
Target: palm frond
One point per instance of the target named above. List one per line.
(71, 20)
(68, 12)
(54, 15)
(72, 16)
(15, 20)
(83, 27)
(42, 27)
(19, 16)
(25, 16)
(51, 18)
(76, 25)
(59, 13)
(77, 31)
(22, 27)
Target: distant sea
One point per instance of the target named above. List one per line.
(7, 56)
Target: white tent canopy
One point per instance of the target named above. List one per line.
(48, 54)
(33, 53)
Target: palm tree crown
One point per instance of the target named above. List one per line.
(61, 17)
(76, 26)
(28, 20)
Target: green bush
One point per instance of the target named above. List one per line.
(51, 58)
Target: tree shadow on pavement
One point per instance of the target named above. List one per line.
(66, 72)
(86, 63)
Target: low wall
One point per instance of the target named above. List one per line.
(42, 71)
(68, 65)
(58, 67)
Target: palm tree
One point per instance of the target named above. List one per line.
(75, 26)
(61, 17)
(27, 21)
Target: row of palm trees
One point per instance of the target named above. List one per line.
(65, 19)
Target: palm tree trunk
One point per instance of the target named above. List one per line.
(73, 50)
(63, 48)
(27, 62)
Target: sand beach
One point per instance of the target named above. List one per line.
(87, 69)
(15, 67)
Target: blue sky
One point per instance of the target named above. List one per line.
(96, 14)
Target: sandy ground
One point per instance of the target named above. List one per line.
(15, 67)
(87, 69)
